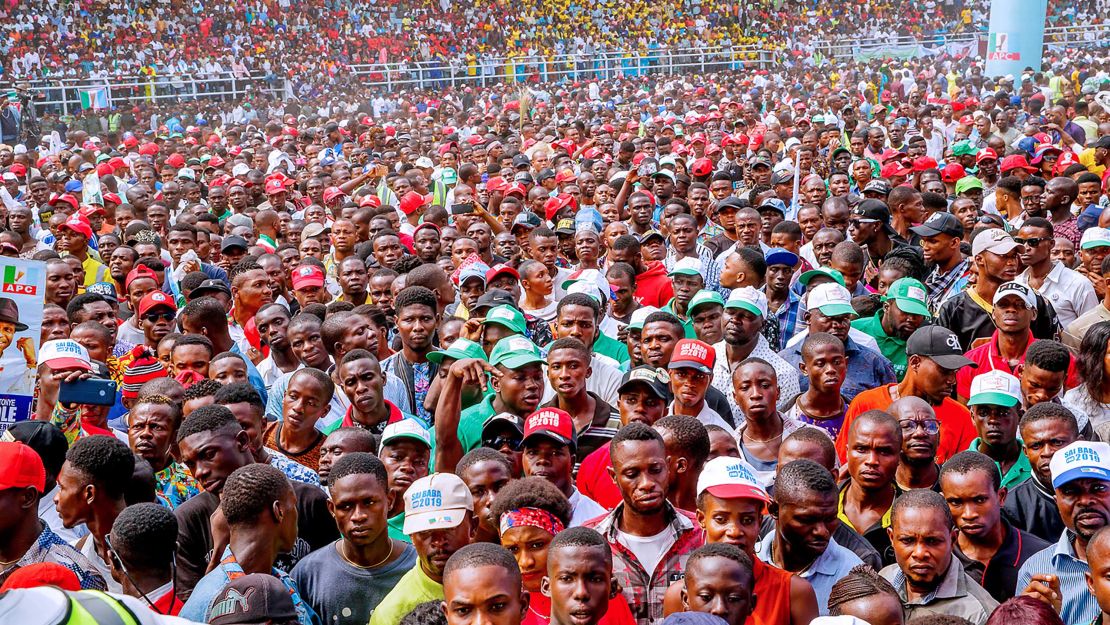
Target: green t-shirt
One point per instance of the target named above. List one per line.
(687, 324)
(611, 347)
(892, 347)
(471, 421)
(411, 590)
(1019, 471)
(397, 528)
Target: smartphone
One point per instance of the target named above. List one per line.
(462, 209)
(647, 169)
(94, 391)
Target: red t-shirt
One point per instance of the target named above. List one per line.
(539, 611)
(594, 480)
(989, 358)
(956, 428)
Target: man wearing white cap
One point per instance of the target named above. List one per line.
(439, 518)
(731, 504)
(830, 310)
(686, 280)
(968, 314)
(744, 315)
(1078, 328)
(1057, 575)
(995, 406)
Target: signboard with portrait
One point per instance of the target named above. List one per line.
(22, 297)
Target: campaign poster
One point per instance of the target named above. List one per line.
(22, 297)
(1016, 37)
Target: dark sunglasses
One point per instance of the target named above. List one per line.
(513, 442)
(155, 317)
(1033, 242)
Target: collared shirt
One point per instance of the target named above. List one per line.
(1067, 290)
(1020, 471)
(989, 358)
(48, 547)
(867, 368)
(601, 429)
(785, 320)
(999, 576)
(583, 509)
(788, 376)
(876, 534)
(707, 416)
(687, 322)
(943, 286)
(955, 595)
(833, 563)
(1031, 506)
(710, 270)
(892, 347)
(1078, 605)
(176, 484)
(643, 589)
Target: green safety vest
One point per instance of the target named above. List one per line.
(92, 607)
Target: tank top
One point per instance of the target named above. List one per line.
(772, 587)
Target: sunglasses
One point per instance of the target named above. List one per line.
(1033, 242)
(513, 442)
(155, 317)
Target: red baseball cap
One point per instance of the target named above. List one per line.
(64, 197)
(331, 193)
(413, 201)
(113, 198)
(499, 269)
(216, 161)
(148, 149)
(516, 187)
(565, 175)
(142, 271)
(556, 204)
(21, 467)
(176, 161)
(922, 163)
(274, 186)
(369, 200)
(79, 224)
(553, 424)
(693, 354)
(894, 168)
(952, 172)
(92, 209)
(307, 275)
(986, 154)
(18, 169)
(156, 299)
(1016, 161)
(702, 167)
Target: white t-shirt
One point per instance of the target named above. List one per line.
(649, 550)
(583, 509)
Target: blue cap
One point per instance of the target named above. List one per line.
(107, 289)
(74, 186)
(780, 256)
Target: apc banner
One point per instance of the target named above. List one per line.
(1016, 38)
(22, 297)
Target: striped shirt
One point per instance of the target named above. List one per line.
(1078, 605)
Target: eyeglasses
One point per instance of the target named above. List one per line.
(155, 317)
(1031, 198)
(931, 426)
(513, 442)
(1033, 242)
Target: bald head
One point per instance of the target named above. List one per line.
(911, 408)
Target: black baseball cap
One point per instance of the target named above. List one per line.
(503, 418)
(654, 379)
(521, 160)
(940, 345)
(544, 175)
(252, 600)
(491, 298)
(939, 223)
(232, 242)
(208, 287)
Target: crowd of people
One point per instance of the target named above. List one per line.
(729, 347)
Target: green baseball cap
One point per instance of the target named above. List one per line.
(704, 297)
(995, 388)
(968, 182)
(964, 148)
(461, 349)
(749, 299)
(639, 316)
(686, 267)
(910, 296)
(828, 272)
(515, 352)
(506, 316)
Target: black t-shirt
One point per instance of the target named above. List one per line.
(718, 244)
(315, 529)
(1030, 507)
(969, 321)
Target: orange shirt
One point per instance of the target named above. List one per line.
(772, 591)
(956, 428)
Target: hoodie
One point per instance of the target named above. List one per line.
(653, 287)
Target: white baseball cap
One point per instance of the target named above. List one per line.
(640, 315)
(65, 354)
(435, 502)
(1081, 459)
(994, 240)
(688, 266)
(1016, 289)
(749, 299)
(1094, 237)
(406, 428)
(831, 299)
(731, 478)
(995, 388)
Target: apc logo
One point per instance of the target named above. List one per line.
(20, 281)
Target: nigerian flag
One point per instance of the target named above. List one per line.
(94, 98)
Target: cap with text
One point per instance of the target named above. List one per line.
(436, 502)
(410, 429)
(1015, 289)
(1081, 459)
(550, 423)
(995, 388)
(749, 299)
(731, 478)
(693, 354)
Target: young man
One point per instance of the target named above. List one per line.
(691, 368)
(650, 539)
(153, 421)
(990, 549)
(568, 369)
(1031, 506)
(580, 581)
(307, 399)
(549, 450)
(578, 315)
(874, 442)
(406, 451)
(804, 509)
(482, 584)
(904, 310)
(1070, 293)
(486, 471)
(24, 539)
(345, 440)
(825, 365)
(744, 316)
(941, 235)
(345, 581)
(260, 509)
(91, 487)
(928, 578)
(995, 409)
(1056, 574)
(439, 518)
(719, 581)
(141, 551)
(416, 324)
(243, 402)
(213, 444)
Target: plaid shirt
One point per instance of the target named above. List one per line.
(176, 484)
(49, 547)
(783, 322)
(942, 287)
(710, 270)
(644, 591)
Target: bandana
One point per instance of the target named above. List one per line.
(533, 517)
